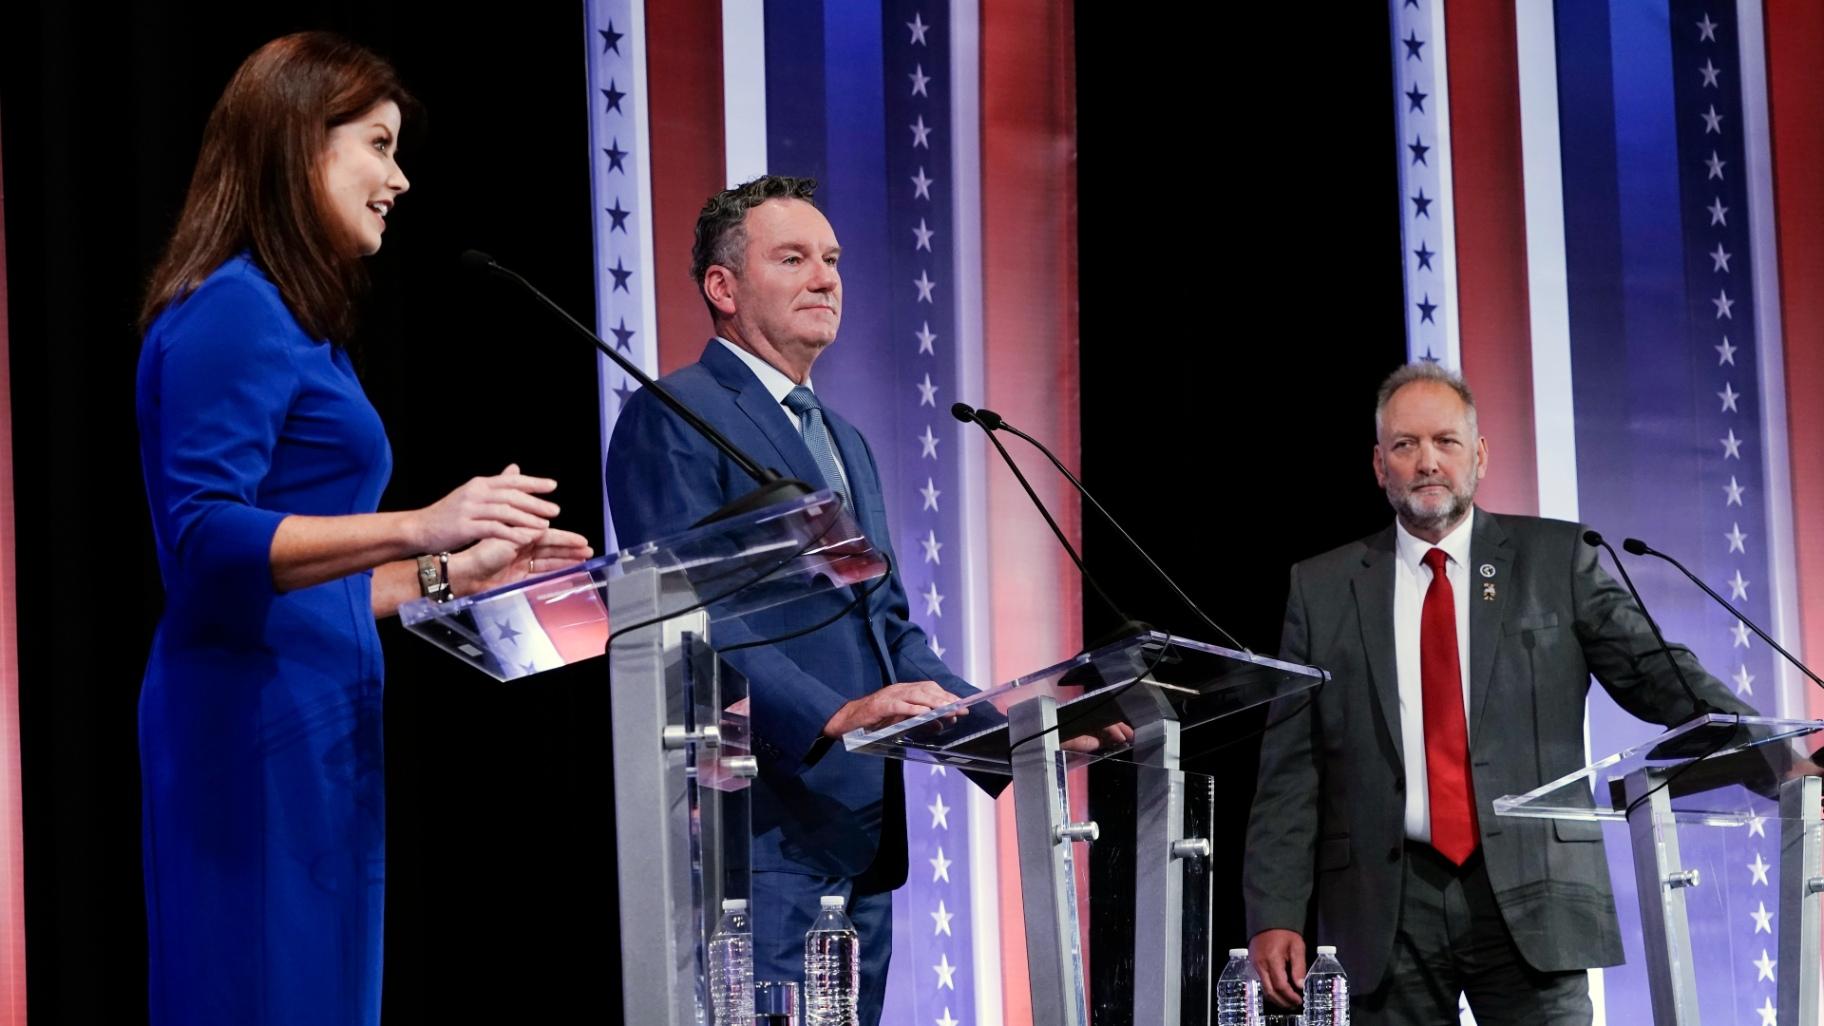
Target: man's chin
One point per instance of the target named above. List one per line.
(1430, 518)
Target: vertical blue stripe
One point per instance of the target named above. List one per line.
(795, 114)
(840, 109)
(1650, 422)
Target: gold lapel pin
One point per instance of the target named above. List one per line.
(1488, 591)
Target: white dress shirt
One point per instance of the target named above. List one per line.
(1411, 580)
(779, 386)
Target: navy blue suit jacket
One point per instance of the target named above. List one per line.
(817, 809)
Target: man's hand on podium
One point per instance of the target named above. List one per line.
(1114, 735)
(888, 706)
(1279, 958)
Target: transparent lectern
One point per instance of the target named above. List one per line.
(1130, 700)
(681, 755)
(1686, 796)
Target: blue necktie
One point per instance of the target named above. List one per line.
(803, 402)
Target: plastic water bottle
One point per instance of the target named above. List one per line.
(832, 967)
(1326, 991)
(1238, 992)
(731, 967)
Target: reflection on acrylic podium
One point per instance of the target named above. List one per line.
(1690, 798)
(1126, 704)
(682, 760)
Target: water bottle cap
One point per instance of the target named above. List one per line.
(734, 904)
(831, 901)
(1238, 952)
(1326, 949)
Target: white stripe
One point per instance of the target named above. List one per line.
(1554, 421)
(1548, 299)
(1430, 72)
(632, 186)
(743, 89)
(971, 386)
(1770, 356)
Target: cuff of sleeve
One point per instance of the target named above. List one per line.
(232, 553)
(789, 728)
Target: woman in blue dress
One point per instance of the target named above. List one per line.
(260, 735)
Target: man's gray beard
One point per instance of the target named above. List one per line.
(1417, 520)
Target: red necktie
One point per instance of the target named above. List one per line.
(1453, 802)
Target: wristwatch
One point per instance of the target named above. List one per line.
(434, 576)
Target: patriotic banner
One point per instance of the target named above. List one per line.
(12, 832)
(1618, 233)
(941, 135)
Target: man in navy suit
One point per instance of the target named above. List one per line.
(824, 821)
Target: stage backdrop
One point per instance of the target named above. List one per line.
(1612, 224)
(943, 136)
(12, 838)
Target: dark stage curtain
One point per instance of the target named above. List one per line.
(1241, 300)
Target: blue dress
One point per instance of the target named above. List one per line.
(259, 718)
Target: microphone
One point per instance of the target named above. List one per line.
(992, 421)
(967, 414)
(1640, 548)
(1595, 538)
(773, 488)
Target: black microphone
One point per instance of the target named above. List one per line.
(993, 421)
(773, 488)
(969, 415)
(1595, 538)
(1640, 548)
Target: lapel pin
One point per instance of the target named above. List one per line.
(1488, 569)
(1488, 591)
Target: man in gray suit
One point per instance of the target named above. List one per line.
(1461, 644)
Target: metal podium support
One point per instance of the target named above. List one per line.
(1156, 684)
(1159, 846)
(1729, 792)
(1801, 881)
(681, 729)
(659, 923)
(1661, 881)
(1042, 816)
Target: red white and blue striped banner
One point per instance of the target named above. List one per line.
(1631, 195)
(941, 134)
(12, 830)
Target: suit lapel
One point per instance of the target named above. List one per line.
(768, 417)
(1373, 589)
(1491, 563)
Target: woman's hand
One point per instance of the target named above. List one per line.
(494, 562)
(505, 507)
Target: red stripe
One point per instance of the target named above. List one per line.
(684, 117)
(1029, 260)
(12, 831)
(1489, 205)
(1795, 86)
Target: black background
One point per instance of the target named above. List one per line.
(1239, 260)
(1241, 300)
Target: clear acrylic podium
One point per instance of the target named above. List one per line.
(681, 747)
(1690, 797)
(1128, 700)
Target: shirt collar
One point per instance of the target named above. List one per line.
(771, 378)
(1412, 549)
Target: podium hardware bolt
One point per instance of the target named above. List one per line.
(675, 738)
(745, 766)
(1191, 848)
(1814, 885)
(1684, 878)
(1079, 831)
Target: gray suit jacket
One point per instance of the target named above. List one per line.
(1329, 816)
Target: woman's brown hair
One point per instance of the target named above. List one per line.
(257, 184)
